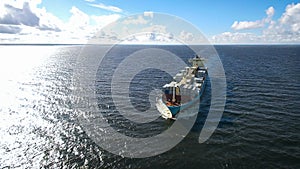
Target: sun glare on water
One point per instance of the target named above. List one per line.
(17, 65)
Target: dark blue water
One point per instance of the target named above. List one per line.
(259, 127)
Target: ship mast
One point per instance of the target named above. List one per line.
(173, 99)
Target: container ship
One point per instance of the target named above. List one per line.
(185, 90)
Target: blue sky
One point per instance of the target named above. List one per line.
(235, 21)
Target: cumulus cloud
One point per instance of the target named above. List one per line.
(186, 36)
(235, 37)
(78, 19)
(17, 16)
(287, 28)
(291, 17)
(241, 25)
(148, 13)
(270, 11)
(9, 29)
(49, 22)
(284, 30)
(23, 21)
(149, 38)
(247, 25)
(20, 15)
(107, 7)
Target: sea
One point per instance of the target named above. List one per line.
(39, 125)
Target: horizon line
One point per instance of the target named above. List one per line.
(149, 44)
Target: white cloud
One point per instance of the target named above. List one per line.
(107, 7)
(148, 13)
(235, 37)
(9, 29)
(89, 0)
(247, 25)
(78, 19)
(242, 25)
(20, 3)
(186, 36)
(24, 13)
(23, 21)
(270, 11)
(291, 17)
(150, 38)
(48, 21)
(284, 30)
(18, 16)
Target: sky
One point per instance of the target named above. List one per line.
(221, 22)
